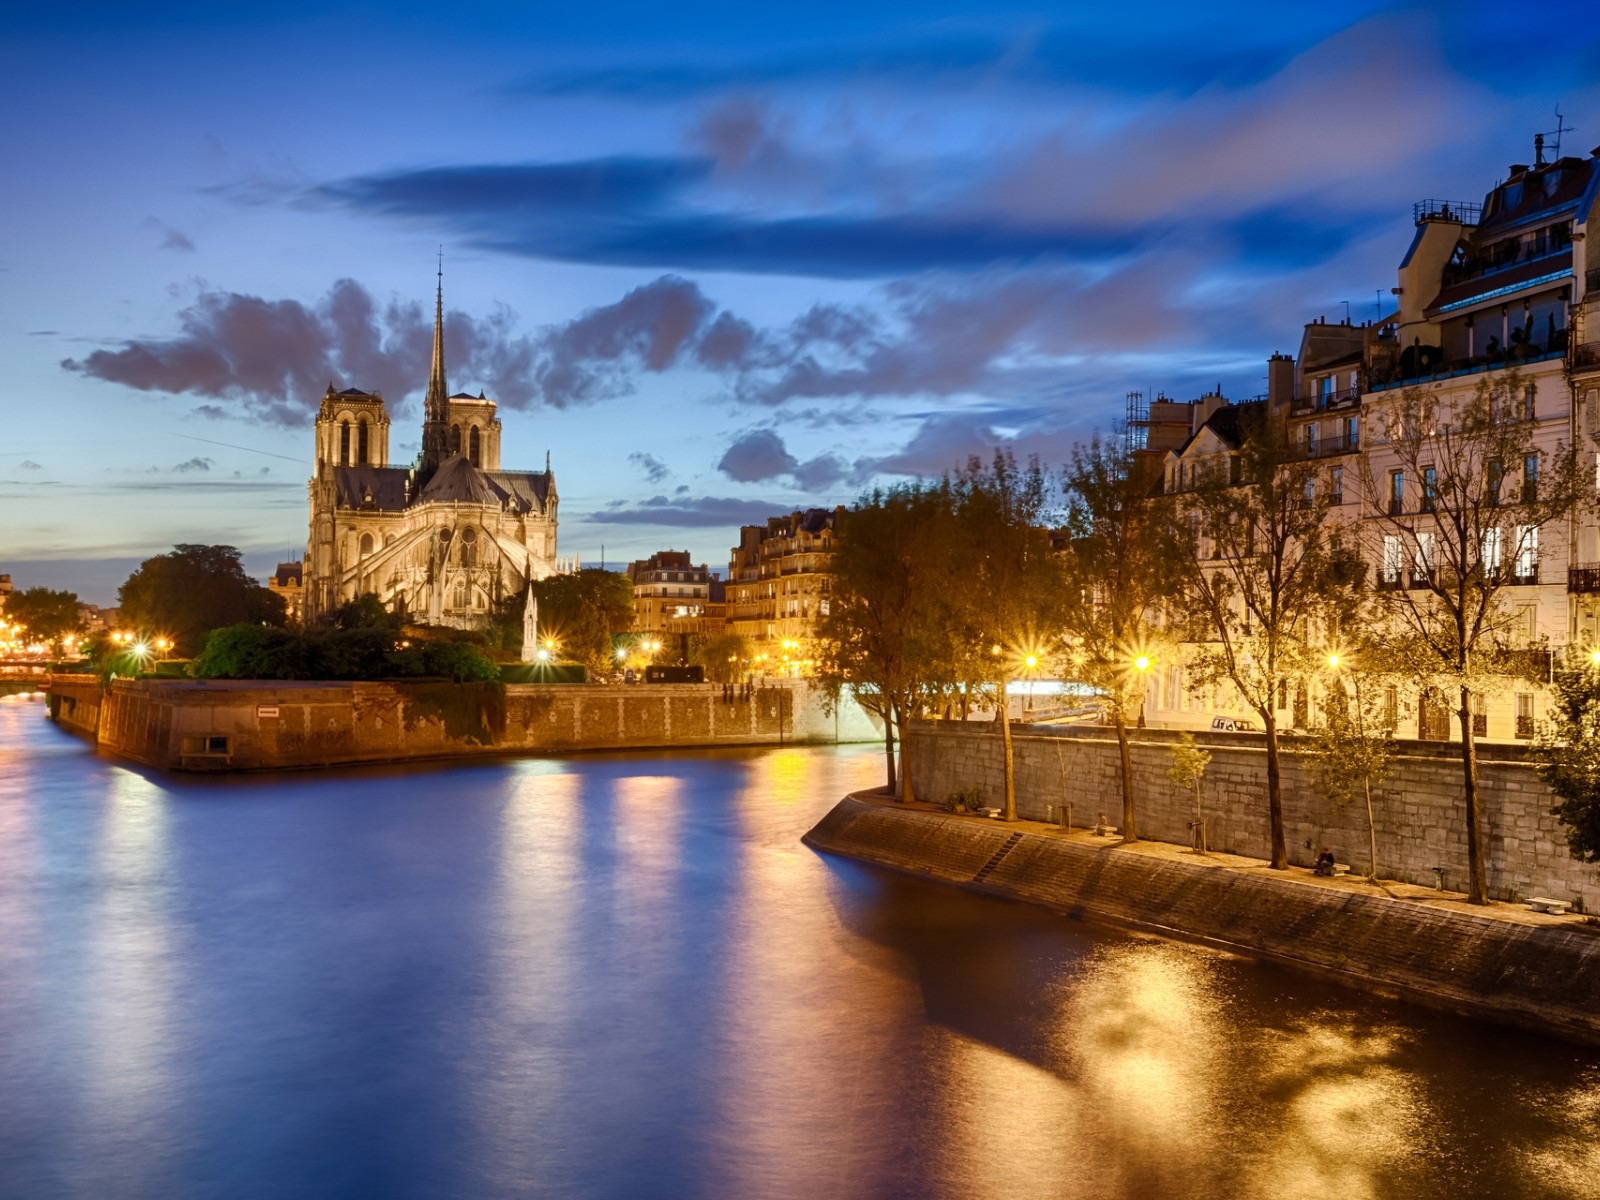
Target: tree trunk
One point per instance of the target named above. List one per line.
(1125, 758)
(1477, 877)
(888, 746)
(1280, 848)
(1004, 715)
(1372, 832)
(905, 764)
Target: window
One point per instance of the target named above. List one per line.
(1528, 622)
(1391, 708)
(1480, 716)
(366, 544)
(205, 744)
(1492, 547)
(1530, 478)
(1309, 499)
(455, 439)
(1336, 492)
(1311, 438)
(1527, 403)
(1430, 488)
(1527, 564)
(1352, 433)
(1497, 473)
(1397, 493)
(1524, 714)
(1325, 390)
(1283, 693)
(1422, 559)
(1391, 560)
(472, 447)
(344, 443)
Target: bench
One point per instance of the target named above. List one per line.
(1544, 904)
(1341, 868)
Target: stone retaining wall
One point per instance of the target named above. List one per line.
(1544, 976)
(1420, 814)
(258, 725)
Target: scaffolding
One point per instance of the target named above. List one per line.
(1136, 430)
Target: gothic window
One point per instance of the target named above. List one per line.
(366, 544)
(361, 442)
(455, 439)
(344, 443)
(461, 593)
(469, 548)
(472, 445)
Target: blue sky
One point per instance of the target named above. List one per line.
(719, 261)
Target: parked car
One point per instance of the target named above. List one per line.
(1232, 725)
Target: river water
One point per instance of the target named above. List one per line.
(624, 976)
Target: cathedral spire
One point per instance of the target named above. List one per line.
(436, 408)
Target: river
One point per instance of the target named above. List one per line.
(624, 976)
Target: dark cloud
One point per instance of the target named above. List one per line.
(171, 239)
(270, 360)
(654, 469)
(28, 464)
(761, 455)
(193, 464)
(689, 512)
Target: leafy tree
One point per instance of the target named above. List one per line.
(1350, 752)
(581, 611)
(1476, 489)
(1003, 592)
(722, 655)
(191, 591)
(253, 652)
(1119, 581)
(366, 611)
(1262, 570)
(1568, 751)
(885, 635)
(46, 614)
(1188, 769)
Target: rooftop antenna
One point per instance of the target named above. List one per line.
(1346, 304)
(1555, 134)
(1377, 305)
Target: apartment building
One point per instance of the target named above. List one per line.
(779, 585)
(675, 598)
(1496, 295)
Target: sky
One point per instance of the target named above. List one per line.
(720, 261)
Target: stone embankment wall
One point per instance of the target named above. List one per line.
(1544, 976)
(249, 725)
(1419, 811)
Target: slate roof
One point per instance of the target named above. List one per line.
(382, 488)
(457, 481)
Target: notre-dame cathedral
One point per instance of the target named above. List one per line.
(443, 540)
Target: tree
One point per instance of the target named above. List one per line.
(1189, 763)
(1004, 591)
(581, 611)
(1118, 581)
(46, 614)
(1350, 752)
(191, 591)
(1262, 568)
(1568, 751)
(1456, 523)
(723, 656)
(884, 635)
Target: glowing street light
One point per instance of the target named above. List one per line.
(1142, 663)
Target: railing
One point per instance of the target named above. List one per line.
(1524, 578)
(1325, 447)
(1584, 579)
(1523, 355)
(1325, 401)
(1464, 211)
(1478, 268)
(1524, 727)
(1586, 355)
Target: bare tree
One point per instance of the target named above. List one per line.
(1455, 523)
(1261, 565)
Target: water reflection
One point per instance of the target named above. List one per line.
(623, 976)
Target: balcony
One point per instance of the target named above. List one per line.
(1524, 354)
(1506, 258)
(1584, 579)
(1463, 211)
(1348, 397)
(1327, 447)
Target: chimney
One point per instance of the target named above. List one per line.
(1280, 382)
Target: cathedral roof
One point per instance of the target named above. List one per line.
(382, 488)
(458, 481)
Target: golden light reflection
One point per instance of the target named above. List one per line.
(132, 981)
(1568, 1163)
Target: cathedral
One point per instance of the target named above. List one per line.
(443, 540)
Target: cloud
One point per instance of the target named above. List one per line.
(761, 455)
(270, 360)
(28, 464)
(171, 239)
(654, 469)
(194, 464)
(690, 512)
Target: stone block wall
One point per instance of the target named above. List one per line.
(1419, 812)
